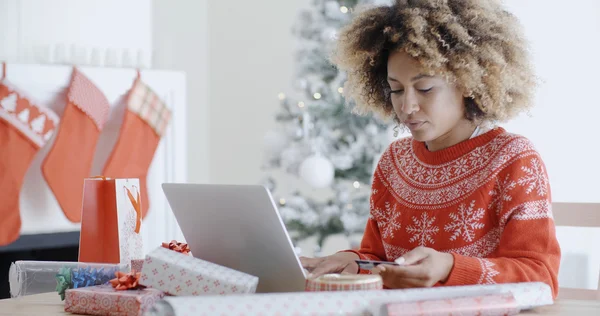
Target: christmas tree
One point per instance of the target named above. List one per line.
(319, 139)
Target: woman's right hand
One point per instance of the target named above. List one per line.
(341, 262)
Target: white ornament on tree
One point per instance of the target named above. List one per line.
(317, 171)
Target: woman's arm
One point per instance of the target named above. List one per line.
(371, 247)
(528, 249)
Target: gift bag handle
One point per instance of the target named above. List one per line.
(136, 206)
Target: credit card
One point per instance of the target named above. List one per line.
(370, 264)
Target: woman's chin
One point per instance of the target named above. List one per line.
(420, 136)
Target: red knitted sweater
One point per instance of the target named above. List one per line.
(485, 200)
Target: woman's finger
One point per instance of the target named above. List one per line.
(403, 276)
(310, 263)
(418, 271)
(413, 256)
(394, 282)
(324, 267)
(350, 269)
(405, 283)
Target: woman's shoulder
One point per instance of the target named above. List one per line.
(511, 151)
(511, 144)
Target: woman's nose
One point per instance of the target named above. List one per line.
(410, 103)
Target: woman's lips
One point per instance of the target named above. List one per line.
(413, 124)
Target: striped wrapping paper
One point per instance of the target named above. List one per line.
(343, 282)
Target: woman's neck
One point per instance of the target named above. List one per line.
(459, 133)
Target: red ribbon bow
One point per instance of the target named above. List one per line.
(177, 246)
(126, 281)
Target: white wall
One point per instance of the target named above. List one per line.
(180, 36)
(31, 27)
(250, 63)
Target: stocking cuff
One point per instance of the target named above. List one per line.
(35, 122)
(147, 105)
(89, 99)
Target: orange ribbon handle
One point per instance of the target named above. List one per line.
(137, 208)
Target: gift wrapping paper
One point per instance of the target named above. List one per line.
(488, 305)
(180, 274)
(129, 217)
(526, 295)
(105, 300)
(344, 282)
(137, 265)
(35, 277)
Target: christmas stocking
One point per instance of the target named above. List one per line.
(144, 124)
(69, 161)
(24, 128)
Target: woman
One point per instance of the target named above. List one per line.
(462, 201)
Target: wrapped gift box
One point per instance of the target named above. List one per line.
(138, 264)
(358, 303)
(105, 300)
(179, 274)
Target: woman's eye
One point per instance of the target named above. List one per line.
(425, 90)
(396, 91)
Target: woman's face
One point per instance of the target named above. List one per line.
(430, 107)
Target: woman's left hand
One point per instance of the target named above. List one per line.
(420, 267)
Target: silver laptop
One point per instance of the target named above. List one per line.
(238, 226)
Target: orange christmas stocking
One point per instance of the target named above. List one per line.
(69, 161)
(144, 124)
(24, 128)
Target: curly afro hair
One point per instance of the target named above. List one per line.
(474, 44)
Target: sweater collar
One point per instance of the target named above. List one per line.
(456, 151)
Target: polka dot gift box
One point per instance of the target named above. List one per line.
(180, 274)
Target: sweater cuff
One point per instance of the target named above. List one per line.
(466, 271)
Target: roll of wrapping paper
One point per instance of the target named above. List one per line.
(35, 277)
(353, 303)
(491, 305)
(344, 282)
